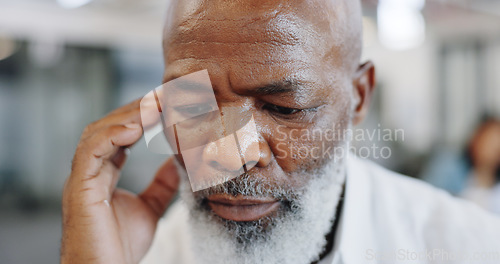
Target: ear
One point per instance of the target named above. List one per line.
(363, 85)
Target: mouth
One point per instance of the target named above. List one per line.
(242, 208)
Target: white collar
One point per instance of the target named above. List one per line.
(355, 235)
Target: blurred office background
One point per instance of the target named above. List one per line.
(65, 63)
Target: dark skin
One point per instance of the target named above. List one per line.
(249, 47)
(292, 64)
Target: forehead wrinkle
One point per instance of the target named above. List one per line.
(281, 27)
(268, 58)
(185, 65)
(338, 25)
(313, 17)
(200, 44)
(248, 69)
(285, 26)
(234, 32)
(323, 35)
(228, 11)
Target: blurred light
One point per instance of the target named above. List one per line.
(412, 4)
(7, 47)
(46, 51)
(401, 26)
(73, 3)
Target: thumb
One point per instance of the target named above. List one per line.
(162, 189)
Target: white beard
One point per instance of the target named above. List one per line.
(297, 235)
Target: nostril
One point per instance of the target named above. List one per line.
(249, 165)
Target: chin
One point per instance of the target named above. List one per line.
(293, 232)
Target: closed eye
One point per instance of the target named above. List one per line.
(281, 110)
(193, 110)
(294, 115)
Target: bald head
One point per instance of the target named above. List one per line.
(327, 28)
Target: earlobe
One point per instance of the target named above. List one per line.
(363, 85)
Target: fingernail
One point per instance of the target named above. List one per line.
(148, 102)
(133, 126)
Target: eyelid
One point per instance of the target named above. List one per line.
(298, 110)
(272, 107)
(301, 109)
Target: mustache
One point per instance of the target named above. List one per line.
(249, 185)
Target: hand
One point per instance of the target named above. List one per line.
(103, 224)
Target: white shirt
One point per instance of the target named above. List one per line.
(387, 218)
(487, 198)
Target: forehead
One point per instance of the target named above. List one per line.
(269, 39)
(279, 22)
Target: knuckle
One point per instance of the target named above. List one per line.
(89, 129)
(82, 146)
(110, 131)
(94, 125)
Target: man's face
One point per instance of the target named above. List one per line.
(276, 63)
(284, 64)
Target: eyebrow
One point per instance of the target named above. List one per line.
(286, 85)
(278, 87)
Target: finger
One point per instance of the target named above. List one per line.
(148, 103)
(137, 102)
(130, 106)
(92, 152)
(163, 188)
(122, 118)
(145, 113)
(129, 113)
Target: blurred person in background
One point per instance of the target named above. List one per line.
(483, 154)
(474, 174)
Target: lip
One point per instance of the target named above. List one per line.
(242, 208)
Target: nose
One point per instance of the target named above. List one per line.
(239, 151)
(224, 155)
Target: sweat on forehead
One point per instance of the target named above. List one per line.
(326, 28)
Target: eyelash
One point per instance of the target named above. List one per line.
(286, 111)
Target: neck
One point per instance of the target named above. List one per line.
(485, 177)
